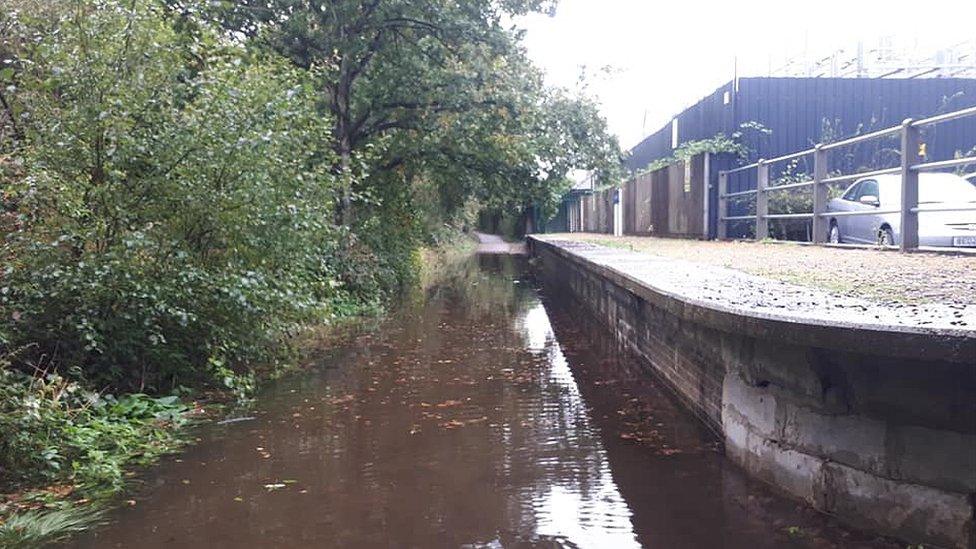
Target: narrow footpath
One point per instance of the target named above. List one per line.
(494, 244)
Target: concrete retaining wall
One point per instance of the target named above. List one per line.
(884, 440)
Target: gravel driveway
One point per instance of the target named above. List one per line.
(881, 276)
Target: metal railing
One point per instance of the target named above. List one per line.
(909, 169)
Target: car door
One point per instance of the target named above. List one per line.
(864, 228)
(846, 204)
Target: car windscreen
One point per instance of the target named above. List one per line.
(945, 189)
(941, 188)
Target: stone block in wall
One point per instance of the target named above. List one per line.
(933, 394)
(856, 441)
(754, 407)
(796, 473)
(900, 508)
(800, 372)
(944, 459)
(751, 422)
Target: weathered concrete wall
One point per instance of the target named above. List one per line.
(882, 437)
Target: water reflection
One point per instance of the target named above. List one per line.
(479, 416)
(587, 510)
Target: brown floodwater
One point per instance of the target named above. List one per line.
(488, 414)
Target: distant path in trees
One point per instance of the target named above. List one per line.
(494, 244)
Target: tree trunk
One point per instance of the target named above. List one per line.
(344, 210)
(528, 220)
(343, 131)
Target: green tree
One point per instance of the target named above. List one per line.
(441, 89)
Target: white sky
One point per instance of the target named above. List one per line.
(666, 55)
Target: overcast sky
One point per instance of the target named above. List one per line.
(665, 56)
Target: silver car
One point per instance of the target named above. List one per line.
(883, 193)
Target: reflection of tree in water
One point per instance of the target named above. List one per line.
(573, 493)
(482, 286)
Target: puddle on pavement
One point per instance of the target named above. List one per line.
(485, 415)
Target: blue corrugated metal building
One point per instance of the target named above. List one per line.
(777, 116)
(801, 112)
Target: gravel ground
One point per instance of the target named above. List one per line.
(887, 277)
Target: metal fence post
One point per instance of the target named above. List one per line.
(819, 195)
(706, 175)
(723, 188)
(618, 211)
(762, 200)
(910, 141)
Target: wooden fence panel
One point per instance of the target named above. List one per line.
(659, 202)
(668, 201)
(640, 204)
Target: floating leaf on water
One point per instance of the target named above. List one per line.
(343, 399)
(794, 531)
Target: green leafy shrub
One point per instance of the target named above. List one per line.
(172, 212)
(54, 430)
(55, 433)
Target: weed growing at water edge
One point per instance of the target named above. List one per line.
(36, 528)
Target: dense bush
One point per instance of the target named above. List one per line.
(172, 208)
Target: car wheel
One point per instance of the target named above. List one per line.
(834, 236)
(886, 237)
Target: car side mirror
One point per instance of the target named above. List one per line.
(870, 200)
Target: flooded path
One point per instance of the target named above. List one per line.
(483, 417)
